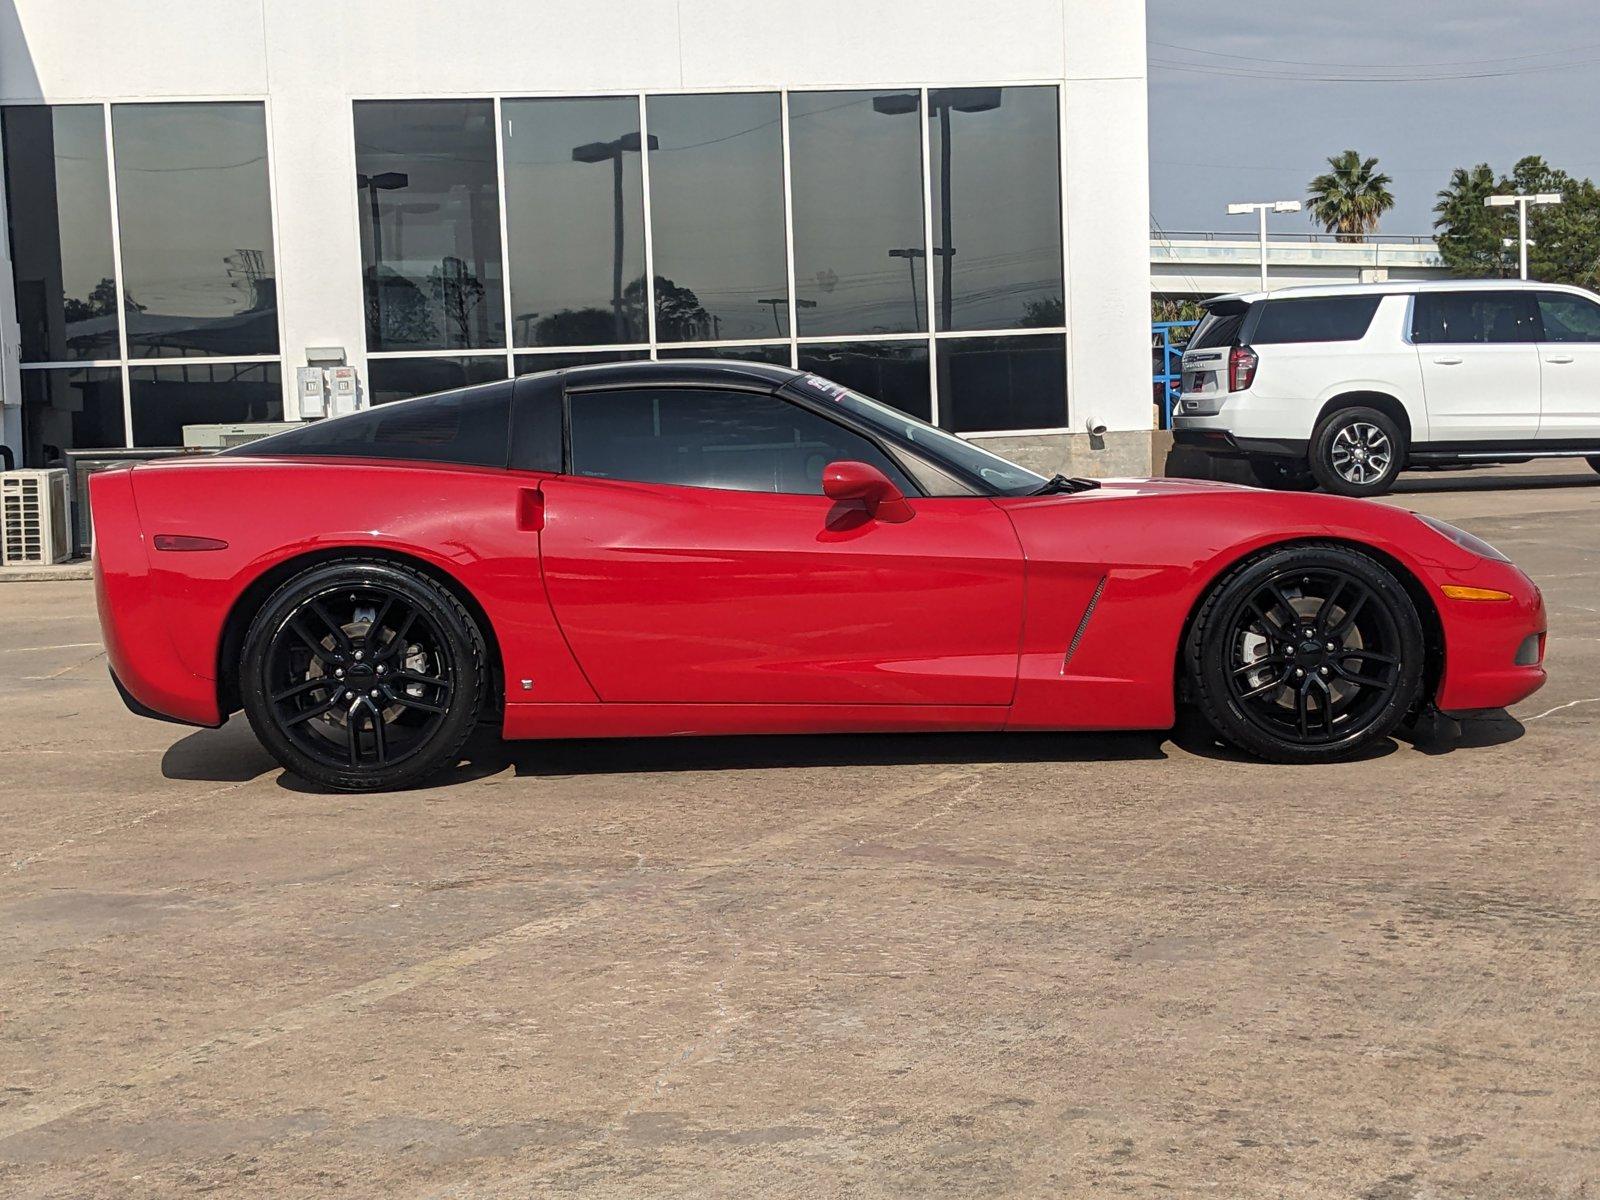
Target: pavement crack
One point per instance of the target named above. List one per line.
(1569, 704)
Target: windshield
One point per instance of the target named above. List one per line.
(1002, 475)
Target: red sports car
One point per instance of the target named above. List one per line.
(707, 548)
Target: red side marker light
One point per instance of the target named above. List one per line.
(184, 541)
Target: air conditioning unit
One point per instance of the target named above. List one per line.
(35, 518)
(221, 437)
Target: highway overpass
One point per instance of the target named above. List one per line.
(1211, 264)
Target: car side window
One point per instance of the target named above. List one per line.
(1569, 318)
(1322, 319)
(711, 438)
(1474, 317)
(468, 425)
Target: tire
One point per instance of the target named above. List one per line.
(1357, 452)
(1594, 461)
(1268, 686)
(362, 675)
(1282, 474)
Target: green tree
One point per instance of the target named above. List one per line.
(1349, 199)
(1565, 237)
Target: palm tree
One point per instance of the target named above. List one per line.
(1469, 234)
(1348, 200)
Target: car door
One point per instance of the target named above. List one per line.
(690, 557)
(1569, 367)
(1479, 355)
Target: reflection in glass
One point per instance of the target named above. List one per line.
(430, 224)
(59, 202)
(716, 211)
(894, 372)
(777, 353)
(574, 221)
(402, 378)
(168, 397)
(77, 408)
(529, 364)
(856, 175)
(991, 384)
(195, 216)
(996, 167)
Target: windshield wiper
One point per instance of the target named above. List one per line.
(1064, 483)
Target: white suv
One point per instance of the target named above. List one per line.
(1347, 385)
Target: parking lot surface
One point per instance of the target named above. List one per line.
(844, 966)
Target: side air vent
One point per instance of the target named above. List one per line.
(1083, 624)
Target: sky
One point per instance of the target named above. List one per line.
(1501, 79)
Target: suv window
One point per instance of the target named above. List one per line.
(469, 425)
(1485, 317)
(1320, 319)
(1217, 329)
(1569, 318)
(706, 437)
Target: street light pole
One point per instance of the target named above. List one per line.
(612, 152)
(1261, 208)
(1522, 202)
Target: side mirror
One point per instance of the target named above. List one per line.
(862, 483)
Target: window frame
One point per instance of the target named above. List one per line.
(123, 363)
(793, 339)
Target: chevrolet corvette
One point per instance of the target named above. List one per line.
(656, 548)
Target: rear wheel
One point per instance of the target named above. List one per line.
(1283, 474)
(362, 675)
(1357, 452)
(1306, 654)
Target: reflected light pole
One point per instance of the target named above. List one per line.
(1522, 203)
(612, 152)
(1261, 208)
(775, 301)
(384, 181)
(942, 101)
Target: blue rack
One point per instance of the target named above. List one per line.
(1167, 342)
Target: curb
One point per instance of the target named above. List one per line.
(81, 569)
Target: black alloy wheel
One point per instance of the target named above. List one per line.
(1306, 653)
(363, 675)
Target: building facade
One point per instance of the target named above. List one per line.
(944, 205)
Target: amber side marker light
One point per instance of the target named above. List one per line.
(1457, 592)
(184, 541)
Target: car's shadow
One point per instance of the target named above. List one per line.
(232, 754)
(1422, 483)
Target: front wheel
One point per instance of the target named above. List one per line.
(1306, 654)
(1357, 452)
(363, 675)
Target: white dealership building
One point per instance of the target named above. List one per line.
(942, 203)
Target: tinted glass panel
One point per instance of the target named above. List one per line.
(893, 372)
(470, 426)
(1474, 317)
(705, 438)
(166, 398)
(1569, 318)
(1330, 319)
(778, 354)
(70, 409)
(996, 188)
(992, 384)
(527, 364)
(856, 170)
(574, 221)
(195, 217)
(430, 224)
(1217, 329)
(716, 208)
(59, 203)
(391, 379)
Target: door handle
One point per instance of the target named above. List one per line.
(530, 510)
(1448, 362)
(1560, 358)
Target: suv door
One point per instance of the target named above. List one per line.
(1569, 366)
(690, 557)
(1480, 363)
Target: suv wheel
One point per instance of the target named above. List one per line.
(1357, 452)
(1594, 461)
(1283, 474)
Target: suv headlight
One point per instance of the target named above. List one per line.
(1467, 541)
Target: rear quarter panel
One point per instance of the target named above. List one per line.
(462, 521)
